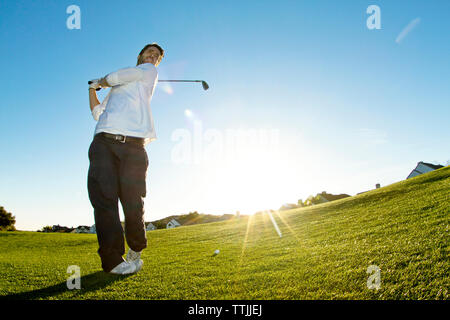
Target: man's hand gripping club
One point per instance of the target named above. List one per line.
(98, 84)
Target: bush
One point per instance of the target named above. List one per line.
(7, 220)
(47, 229)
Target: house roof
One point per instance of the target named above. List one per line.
(433, 166)
(429, 165)
(175, 222)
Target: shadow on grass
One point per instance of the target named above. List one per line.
(90, 282)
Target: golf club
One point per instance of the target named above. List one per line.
(204, 84)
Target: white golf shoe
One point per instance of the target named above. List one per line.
(139, 263)
(125, 268)
(133, 255)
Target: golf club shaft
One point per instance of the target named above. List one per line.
(204, 84)
(179, 80)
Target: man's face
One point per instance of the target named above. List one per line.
(151, 55)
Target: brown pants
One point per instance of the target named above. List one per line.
(117, 171)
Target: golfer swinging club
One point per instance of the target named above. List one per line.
(118, 160)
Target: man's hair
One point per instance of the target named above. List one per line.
(154, 44)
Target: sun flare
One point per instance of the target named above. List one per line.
(254, 179)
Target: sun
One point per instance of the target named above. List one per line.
(252, 180)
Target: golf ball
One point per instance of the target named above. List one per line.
(217, 251)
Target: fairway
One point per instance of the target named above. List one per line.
(324, 253)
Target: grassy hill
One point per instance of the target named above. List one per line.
(191, 219)
(324, 253)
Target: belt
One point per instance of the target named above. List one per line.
(121, 138)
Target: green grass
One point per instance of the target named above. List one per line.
(324, 254)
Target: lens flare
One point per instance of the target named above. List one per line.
(244, 244)
(167, 88)
(274, 223)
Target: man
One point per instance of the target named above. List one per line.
(118, 160)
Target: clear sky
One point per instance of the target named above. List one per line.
(338, 107)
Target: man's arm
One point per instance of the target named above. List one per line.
(97, 108)
(93, 100)
(122, 76)
(103, 83)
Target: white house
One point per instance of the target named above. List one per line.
(423, 167)
(150, 227)
(173, 224)
(82, 229)
(85, 229)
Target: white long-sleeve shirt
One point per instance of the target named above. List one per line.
(126, 109)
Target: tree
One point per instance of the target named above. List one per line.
(47, 229)
(7, 220)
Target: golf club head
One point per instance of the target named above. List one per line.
(205, 85)
(89, 82)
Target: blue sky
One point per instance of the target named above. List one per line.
(351, 106)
